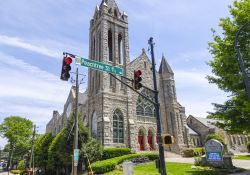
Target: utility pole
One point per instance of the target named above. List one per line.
(157, 110)
(10, 160)
(32, 150)
(76, 150)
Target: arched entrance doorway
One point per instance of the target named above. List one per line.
(151, 141)
(141, 139)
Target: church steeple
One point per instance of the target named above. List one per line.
(165, 67)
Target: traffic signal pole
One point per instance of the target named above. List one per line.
(157, 110)
(76, 124)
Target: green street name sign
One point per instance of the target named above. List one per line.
(98, 66)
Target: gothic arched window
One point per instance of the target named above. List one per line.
(117, 126)
(143, 106)
(110, 46)
(120, 49)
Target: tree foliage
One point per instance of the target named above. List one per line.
(61, 148)
(216, 137)
(18, 132)
(234, 114)
(16, 129)
(41, 150)
(91, 150)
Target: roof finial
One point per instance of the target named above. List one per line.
(143, 51)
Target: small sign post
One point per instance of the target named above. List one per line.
(76, 156)
(214, 150)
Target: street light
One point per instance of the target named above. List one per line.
(241, 62)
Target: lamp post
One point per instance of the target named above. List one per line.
(241, 62)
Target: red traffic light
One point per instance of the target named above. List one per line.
(65, 74)
(137, 79)
(68, 60)
(138, 73)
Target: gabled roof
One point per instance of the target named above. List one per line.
(191, 131)
(143, 54)
(164, 67)
(210, 123)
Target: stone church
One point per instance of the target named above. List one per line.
(114, 114)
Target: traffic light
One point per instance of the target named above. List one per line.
(167, 139)
(137, 79)
(66, 68)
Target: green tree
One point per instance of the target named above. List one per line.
(234, 114)
(61, 148)
(18, 132)
(41, 151)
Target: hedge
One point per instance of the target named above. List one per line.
(110, 164)
(199, 151)
(109, 153)
(16, 171)
(193, 152)
(188, 153)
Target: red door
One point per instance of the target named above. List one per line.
(141, 142)
(150, 142)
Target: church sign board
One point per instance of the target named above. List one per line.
(98, 66)
(214, 150)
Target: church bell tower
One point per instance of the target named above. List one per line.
(107, 105)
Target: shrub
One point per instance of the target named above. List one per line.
(16, 171)
(109, 153)
(248, 146)
(188, 153)
(91, 150)
(216, 137)
(21, 165)
(199, 161)
(199, 151)
(110, 164)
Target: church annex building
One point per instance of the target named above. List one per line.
(117, 116)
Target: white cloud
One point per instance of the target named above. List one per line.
(2, 142)
(17, 42)
(24, 80)
(28, 91)
(196, 94)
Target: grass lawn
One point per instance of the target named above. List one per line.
(172, 169)
(242, 157)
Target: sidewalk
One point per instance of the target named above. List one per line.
(5, 173)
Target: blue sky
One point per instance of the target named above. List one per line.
(33, 35)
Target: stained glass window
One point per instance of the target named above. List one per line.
(117, 127)
(143, 106)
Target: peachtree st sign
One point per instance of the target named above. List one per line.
(98, 65)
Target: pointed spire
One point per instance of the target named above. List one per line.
(109, 3)
(165, 67)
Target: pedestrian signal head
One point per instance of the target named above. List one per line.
(167, 139)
